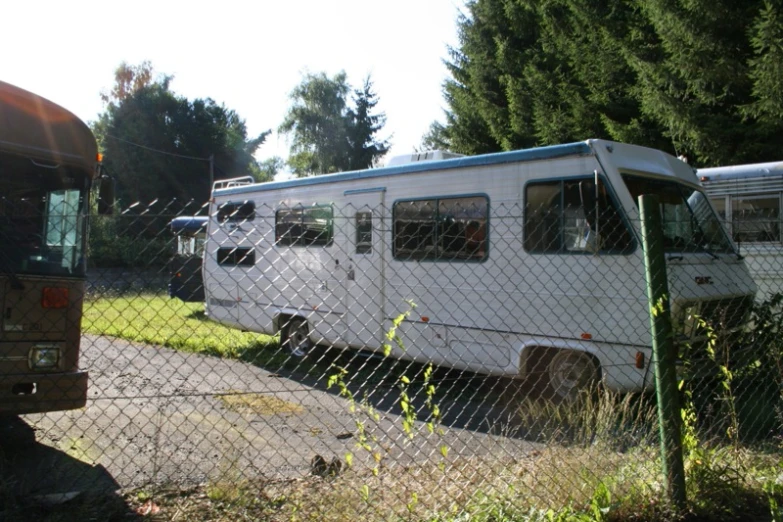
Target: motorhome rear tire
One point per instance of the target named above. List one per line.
(572, 374)
(296, 337)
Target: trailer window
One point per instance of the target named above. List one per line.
(312, 226)
(444, 229)
(573, 216)
(236, 256)
(233, 212)
(364, 232)
(755, 218)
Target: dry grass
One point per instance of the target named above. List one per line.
(257, 403)
(465, 487)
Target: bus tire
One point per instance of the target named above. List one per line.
(295, 337)
(571, 374)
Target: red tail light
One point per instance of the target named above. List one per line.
(54, 297)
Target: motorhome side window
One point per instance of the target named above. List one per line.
(442, 229)
(364, 232)
(236, 256)
(236, 211)
(311, 226)
(573, 216)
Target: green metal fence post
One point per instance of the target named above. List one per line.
(664, 354)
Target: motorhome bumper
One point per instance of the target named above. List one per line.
(31, 393)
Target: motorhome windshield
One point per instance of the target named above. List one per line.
(689, 223)
(42, 222)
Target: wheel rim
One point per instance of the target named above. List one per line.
(571, 373)
(298, 339)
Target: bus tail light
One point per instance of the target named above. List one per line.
(54, 297)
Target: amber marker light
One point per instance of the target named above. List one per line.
(640, 360)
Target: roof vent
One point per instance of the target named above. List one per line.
(431, 155)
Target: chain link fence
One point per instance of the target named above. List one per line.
(425, 359)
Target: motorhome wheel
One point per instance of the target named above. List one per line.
(571, 374)
(296, 338)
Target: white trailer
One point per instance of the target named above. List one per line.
(519, 263)
(749, 198)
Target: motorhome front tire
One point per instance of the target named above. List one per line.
(571, 374)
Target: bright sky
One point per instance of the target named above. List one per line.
(248, 55)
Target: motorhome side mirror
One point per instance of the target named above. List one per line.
(106, 195)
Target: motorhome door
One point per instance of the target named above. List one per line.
(366, 226)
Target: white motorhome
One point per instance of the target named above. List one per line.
(749, 199)
(519, 263)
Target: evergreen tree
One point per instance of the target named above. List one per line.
(364, 149)
(686, 76)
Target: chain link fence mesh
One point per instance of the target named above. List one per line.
(420, 359)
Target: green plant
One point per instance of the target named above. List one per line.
(773, 489)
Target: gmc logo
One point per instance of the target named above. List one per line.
(703, 280)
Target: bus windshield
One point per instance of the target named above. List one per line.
(42, 219)
(689, 223)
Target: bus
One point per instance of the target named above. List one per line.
(48, 164)
(520, 264)
(749, 198)
(185, 280)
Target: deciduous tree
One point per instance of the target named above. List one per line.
(329, 134)
(157, 144)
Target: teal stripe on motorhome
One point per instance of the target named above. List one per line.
(540, 153)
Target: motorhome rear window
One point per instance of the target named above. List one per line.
(236, 256)
(573, 216)
(441, 229)
(305, 227)
(237, 211)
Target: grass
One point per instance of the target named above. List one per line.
(159, 320)
(155, 319)
(555, 484)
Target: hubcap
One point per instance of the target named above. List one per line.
(571, 374)
(298, 342)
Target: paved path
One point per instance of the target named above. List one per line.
(156, 415)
